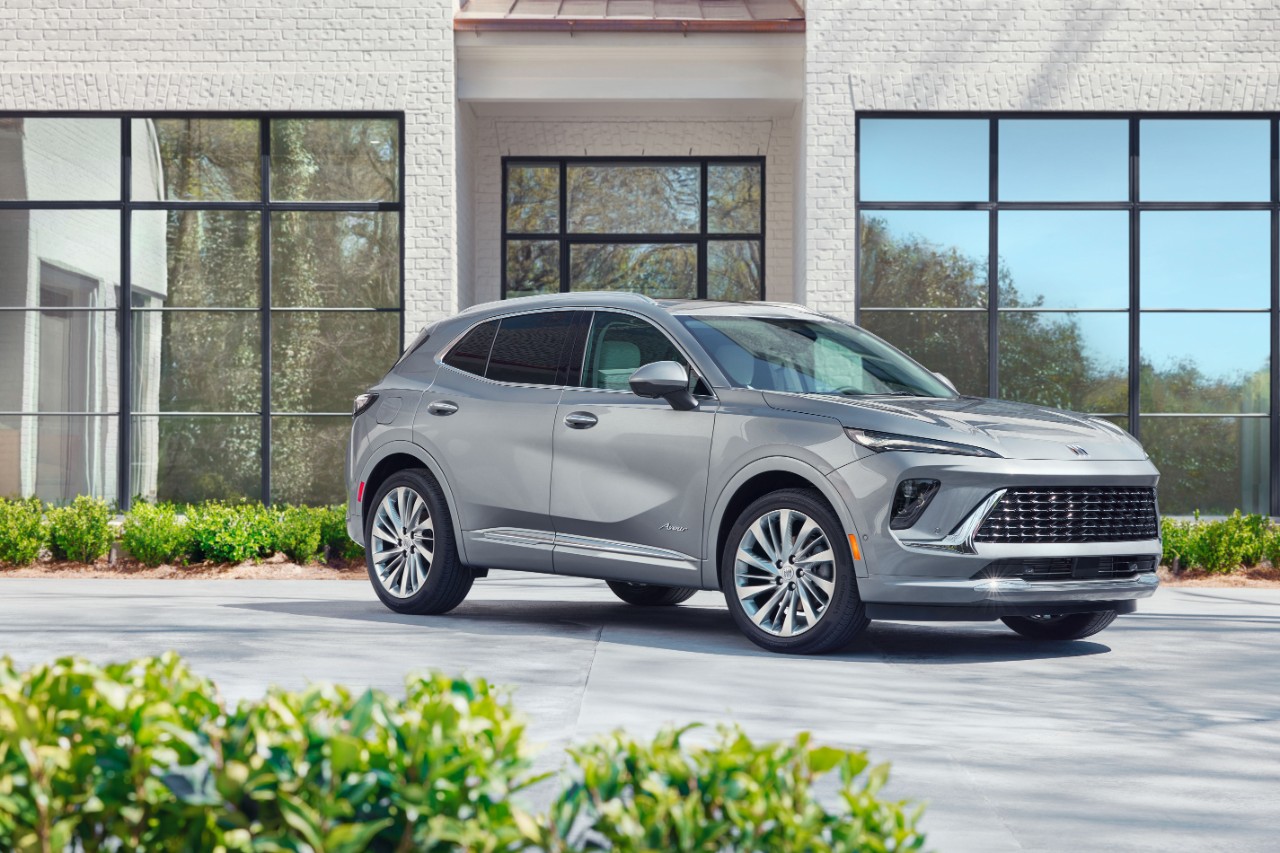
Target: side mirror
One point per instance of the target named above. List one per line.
(946, 381)
(665, 379)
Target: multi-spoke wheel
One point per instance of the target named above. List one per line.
(1066, 626)
(788, 575)
(413, 562)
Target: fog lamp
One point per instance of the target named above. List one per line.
(910, 501)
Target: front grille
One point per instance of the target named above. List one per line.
(1072, 514)
(1069, 568)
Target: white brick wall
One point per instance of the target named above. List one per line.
(1175, 55)
(495, 138)
(247, 55)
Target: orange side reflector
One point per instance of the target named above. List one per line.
(853, 546)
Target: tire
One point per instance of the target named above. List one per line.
(1070, 626)
(434, 581)
(785, 625)
(650, 595)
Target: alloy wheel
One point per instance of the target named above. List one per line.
(784, 572)
(403, 542)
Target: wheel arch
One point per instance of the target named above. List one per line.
(753, 481)
(398, 456)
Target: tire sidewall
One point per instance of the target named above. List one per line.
(444, 553)
(845, 598)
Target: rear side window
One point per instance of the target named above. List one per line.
(529, 348)
(471, 354)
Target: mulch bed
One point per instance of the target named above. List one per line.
(273, 568)
(1256, 576)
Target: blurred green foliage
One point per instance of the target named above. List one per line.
(144, 756)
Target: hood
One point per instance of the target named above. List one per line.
(1013, 430)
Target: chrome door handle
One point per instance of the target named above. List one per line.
(441, 407)
(580, 420)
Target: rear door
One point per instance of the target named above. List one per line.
(629, 477)
(488, 420)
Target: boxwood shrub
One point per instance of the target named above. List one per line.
(81, 530)
(155, 535)
(144, 756)
(22, 531)
(1221, 545)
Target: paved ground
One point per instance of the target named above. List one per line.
(1163, 732)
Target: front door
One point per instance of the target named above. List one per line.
(629, 476)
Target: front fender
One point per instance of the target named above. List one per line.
(769, 465)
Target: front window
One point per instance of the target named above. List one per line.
(811, 357)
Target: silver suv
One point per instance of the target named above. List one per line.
(810, 471)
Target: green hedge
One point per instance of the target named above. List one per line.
(164, 533)
(1220, 546)
(143, 756)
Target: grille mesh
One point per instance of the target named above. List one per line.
(1072, 514)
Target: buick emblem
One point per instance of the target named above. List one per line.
(1077, 450)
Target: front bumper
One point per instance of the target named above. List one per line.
(897, 574)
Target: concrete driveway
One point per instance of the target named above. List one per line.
(1162, 732)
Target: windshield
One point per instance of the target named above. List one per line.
(810, 357)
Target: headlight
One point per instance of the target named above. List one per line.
(884, 441)
(362, 404)
(910, 501)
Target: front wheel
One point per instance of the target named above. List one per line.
(1068, 626)
(650, 595)
(788, 576)
(412, 558)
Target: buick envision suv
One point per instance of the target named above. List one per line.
(814, 474)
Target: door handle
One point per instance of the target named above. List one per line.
(441, 407)
(580, 420)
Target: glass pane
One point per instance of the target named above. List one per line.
(308, 457)
(1064, 160)
(57, 458)
(197, 361)
(528, 348)
(660, 270)
(733, 270)
(197, 258)
(325, 259)
(321, 360)
(924, 259)
(1214, 465)
(633, 199)
(471, 354)
(618, 346)
(192, 459)
(1206, 259)
(733, 198)
(76, 252)
(59, 159)
(532, 267)
(1069, 361)
(937, 159)
(533, 199)
(1204, 160)
(953, 343)
(1064, 259)
(196, 159)
(335, 159)
(1205, 363)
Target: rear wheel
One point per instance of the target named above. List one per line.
(788, 576)
(1068, 626)
(650, 595)
(410, 551)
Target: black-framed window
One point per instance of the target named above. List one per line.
(188, 302)
(677, 227)
(1121, 265)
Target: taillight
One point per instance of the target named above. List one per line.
(362, 404)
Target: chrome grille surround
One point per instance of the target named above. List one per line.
(1072, 514)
